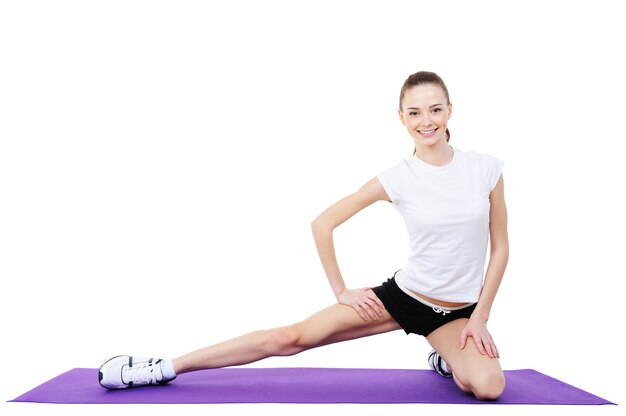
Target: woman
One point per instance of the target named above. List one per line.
(453, 204)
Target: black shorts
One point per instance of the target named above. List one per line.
(414, 316)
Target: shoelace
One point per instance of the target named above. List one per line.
(441, 311)
(146, 372)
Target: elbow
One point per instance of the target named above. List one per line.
(316, 224)
(319, 224)
(500, 244)
(500, 250)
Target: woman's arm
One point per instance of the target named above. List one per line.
(322, 228)
(498, 259)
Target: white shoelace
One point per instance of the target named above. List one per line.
(442, 311)
(141, 373)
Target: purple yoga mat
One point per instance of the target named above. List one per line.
(307, 385)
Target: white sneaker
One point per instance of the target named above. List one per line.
(434, 361)
(124, 371)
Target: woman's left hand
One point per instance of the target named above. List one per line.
(477, 329)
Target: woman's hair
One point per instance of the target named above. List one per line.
(421, 78)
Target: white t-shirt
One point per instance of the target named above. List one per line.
(446, 213)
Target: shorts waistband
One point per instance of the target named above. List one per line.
(436, 308)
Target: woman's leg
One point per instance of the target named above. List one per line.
(473, 372)
(334, 324)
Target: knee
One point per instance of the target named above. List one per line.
(488, 385)
(285, 340)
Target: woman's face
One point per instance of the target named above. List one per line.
(425, 113)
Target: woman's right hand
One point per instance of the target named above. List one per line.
(364, 301)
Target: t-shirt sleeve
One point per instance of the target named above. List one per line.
(491, 168)
(392, 181)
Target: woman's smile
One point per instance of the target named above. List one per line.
(428, 133)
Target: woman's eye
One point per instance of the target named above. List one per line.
(436, 110)
(412, 113)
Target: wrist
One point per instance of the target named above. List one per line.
(481, 315)
(339, 291)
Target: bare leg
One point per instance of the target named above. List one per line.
(334, 324)
(473, 372)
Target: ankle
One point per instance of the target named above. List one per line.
(179, 367)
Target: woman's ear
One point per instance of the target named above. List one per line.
(401, 115)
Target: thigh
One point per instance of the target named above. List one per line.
(340, 323)
(466, 362)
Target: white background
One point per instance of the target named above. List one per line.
(161, 162)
